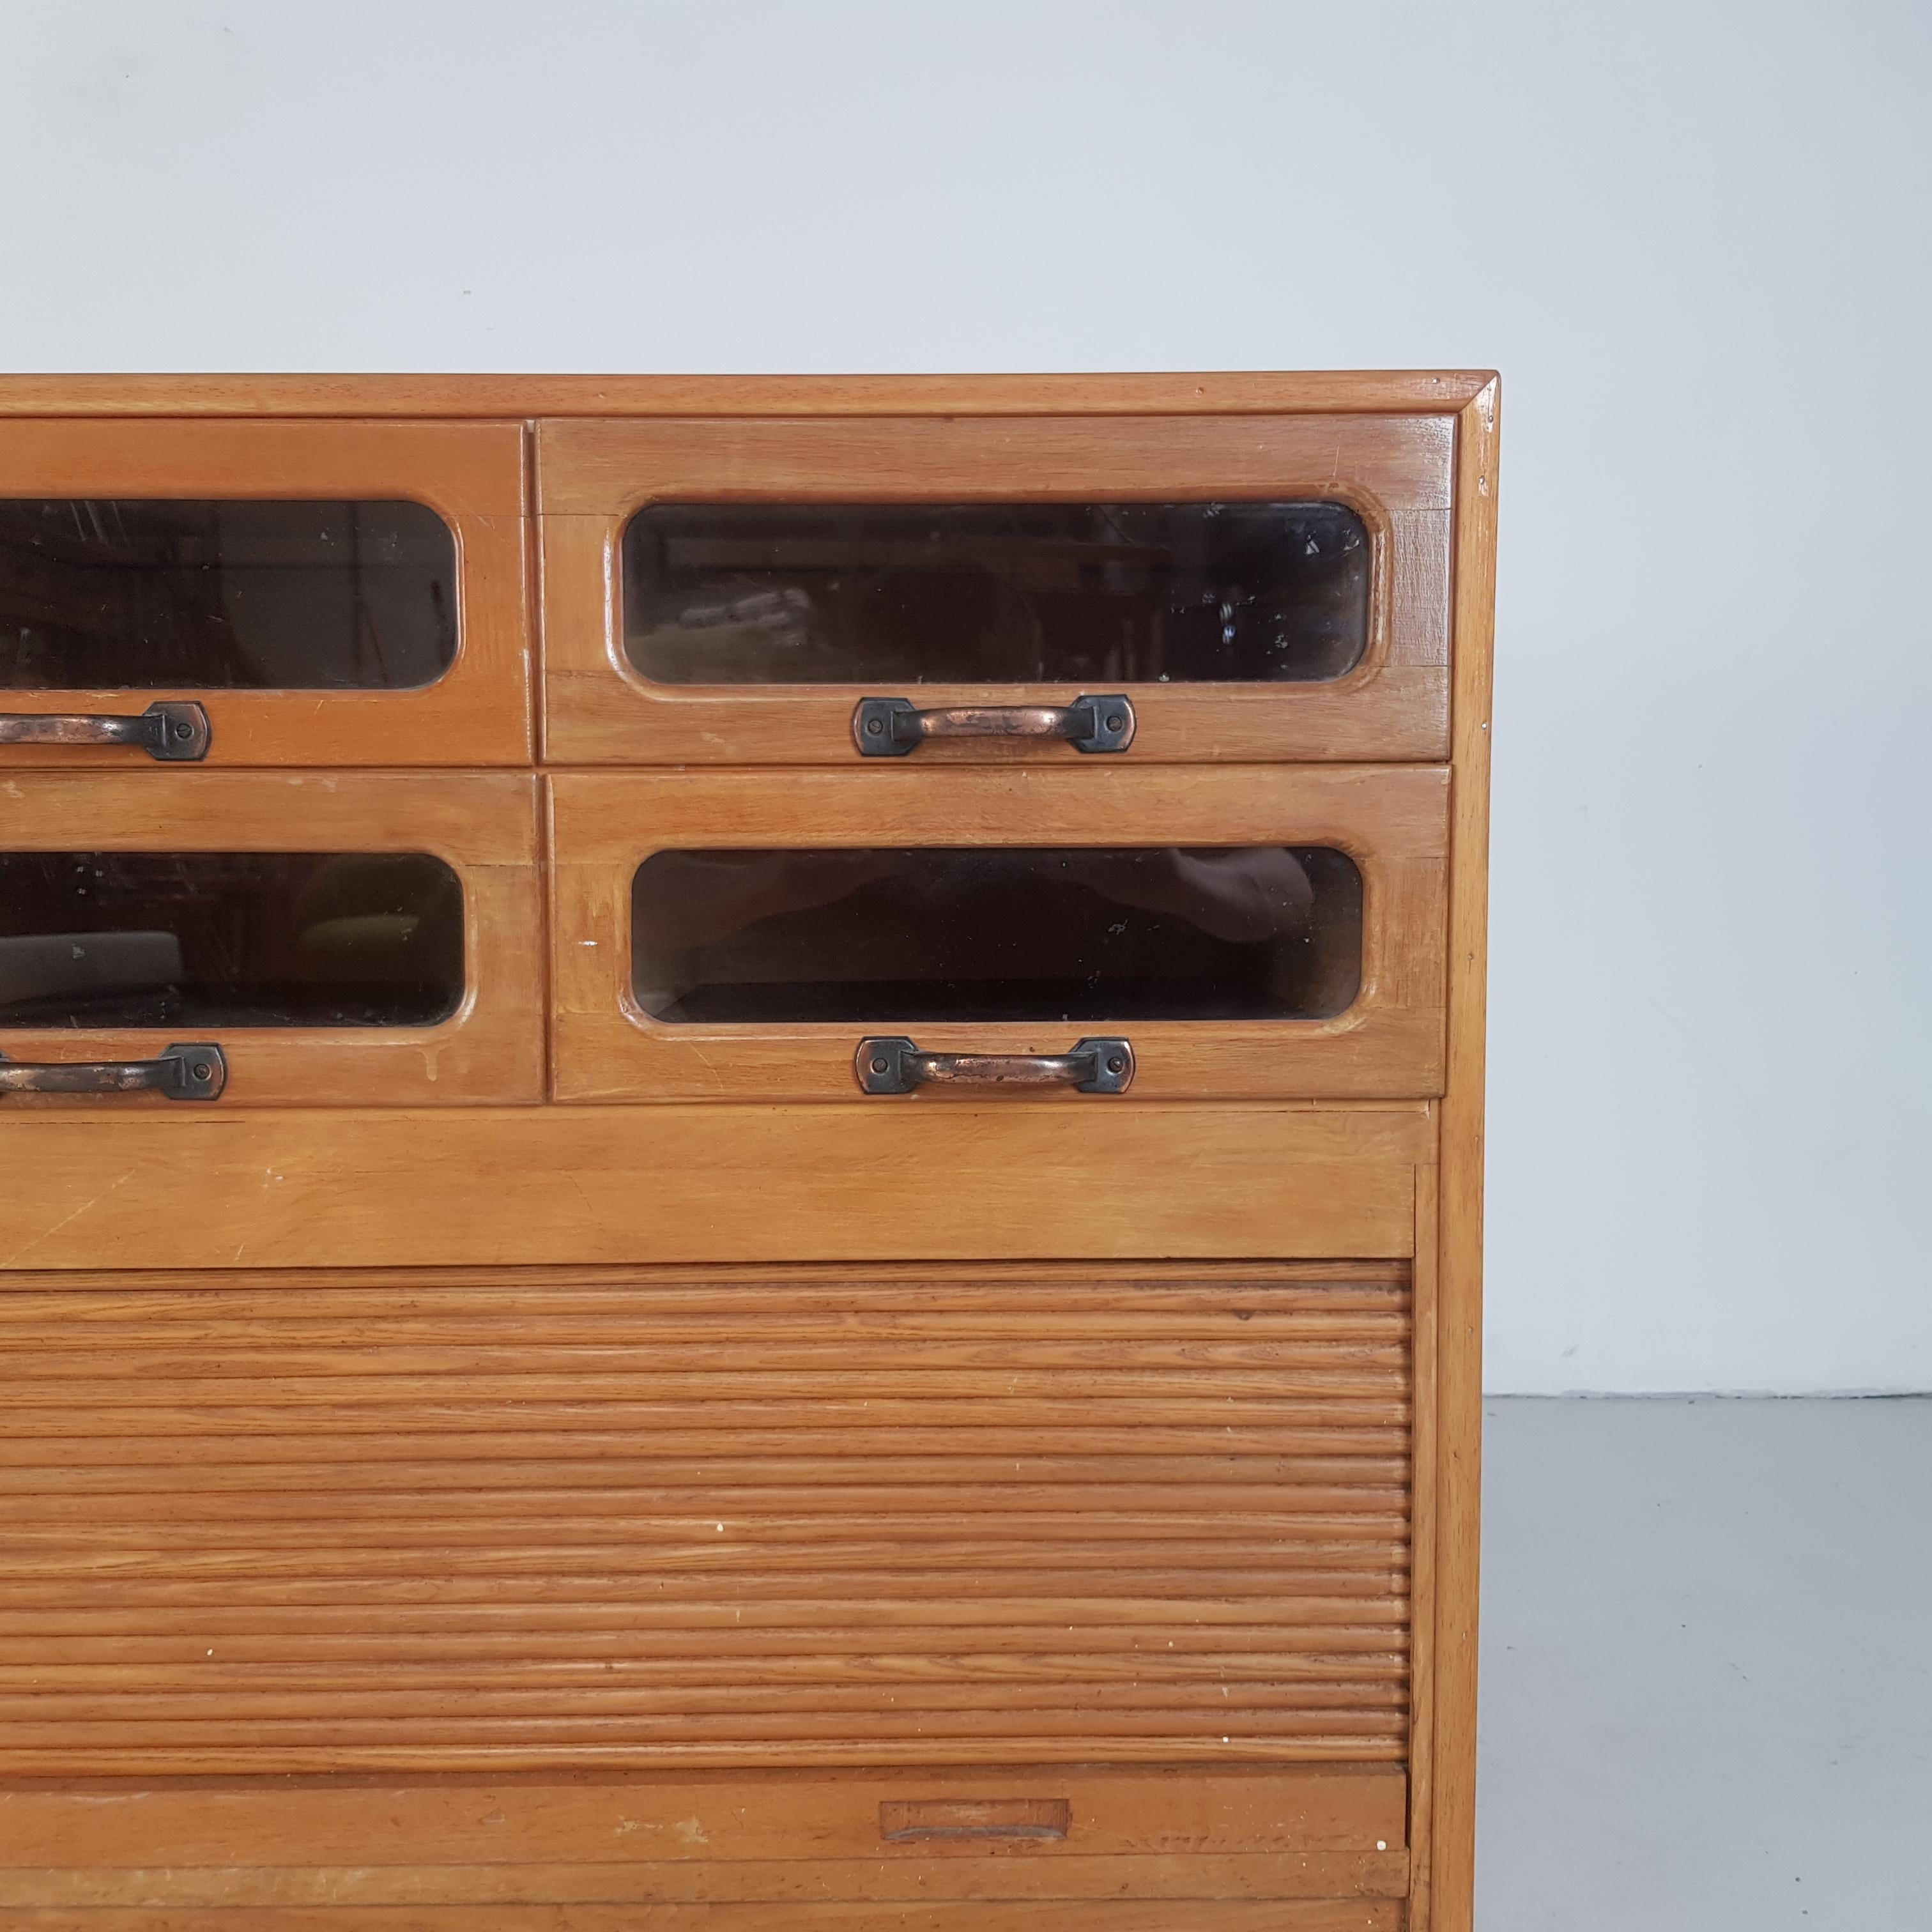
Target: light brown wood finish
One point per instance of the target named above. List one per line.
(592, 476)
(1389, 392)
(646, 1819)
(1112, 1914)
(1392, 821)
(451, 1355)
(1426, 1442)
(484, 825)
(779, 1883)
(320, 1188)
(471, 474)
(1457, 1476)
(850, 1606)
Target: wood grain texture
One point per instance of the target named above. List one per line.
(1393, 821)
(646, 1818)
(777, 1883)
(1426, 1285)
(1400, 391)
(1396, 471)
(1112, 1914)
(472, 474)
(1459, 1286)
(484, 824)
(321, 1187)
(298, 1459)
(1057, 1606)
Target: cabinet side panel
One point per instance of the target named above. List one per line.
(1460, 1285)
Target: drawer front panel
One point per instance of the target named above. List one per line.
(805, 1518)
(1077, 1895)
(1258, 933)
(358, 938)
(728, 591)
(492, 1185)
(346, 593)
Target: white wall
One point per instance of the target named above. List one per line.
(1693, 236)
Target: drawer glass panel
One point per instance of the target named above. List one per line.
(892, 594)
(144, 594)
(939, 933)
(229, 939)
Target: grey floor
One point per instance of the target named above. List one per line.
(1707, 1700)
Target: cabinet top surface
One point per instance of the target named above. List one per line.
(1241, 392)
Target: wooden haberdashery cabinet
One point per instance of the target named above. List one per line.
(740, 1151)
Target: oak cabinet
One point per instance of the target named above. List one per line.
(744, 1129)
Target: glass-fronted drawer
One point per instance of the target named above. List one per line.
(1159, 589)
(1156, 933)
(365, 939)
(263, 593)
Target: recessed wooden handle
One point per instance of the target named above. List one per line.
(923, 1820)
(174, 731)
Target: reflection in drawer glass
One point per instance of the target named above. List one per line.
(147, 595)
(977, 933)
(891, 594)
(234, 939)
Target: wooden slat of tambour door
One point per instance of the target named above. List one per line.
(690, 1518)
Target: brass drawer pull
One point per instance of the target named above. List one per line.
(893, 1064)
(890, 727)
(174, 731)
(197, 1072)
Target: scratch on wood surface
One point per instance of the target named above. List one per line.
(92, 1201)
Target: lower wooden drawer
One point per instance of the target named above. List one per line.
(710, 1841)
(444, 1520)
(650, 1910)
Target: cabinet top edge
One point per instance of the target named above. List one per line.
(1258, 393)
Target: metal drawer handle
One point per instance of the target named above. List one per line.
(175, 730)
(890, 727)
(197, 1072)
(893, 1064)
